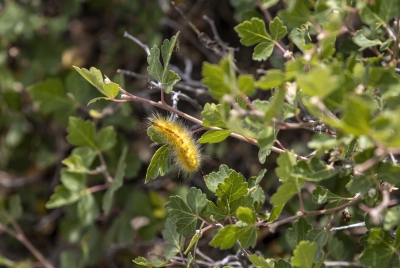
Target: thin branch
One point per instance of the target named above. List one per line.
(376, 212)
(133, 74)
(361, 168)
(109, 178)
(300, 201)
(126, 96)
(345, 227)
(343, 264)
(20, 236)
(7, 180)
(137, 41)
(98, 188)
(272, 225)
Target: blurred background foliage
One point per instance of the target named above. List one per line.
(40, 40)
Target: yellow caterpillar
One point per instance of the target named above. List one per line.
(183, 145)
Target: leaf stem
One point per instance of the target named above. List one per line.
(109, 178)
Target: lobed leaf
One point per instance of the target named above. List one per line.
(303, 255)
(81, 133)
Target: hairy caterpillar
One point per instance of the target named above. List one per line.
(175, 134)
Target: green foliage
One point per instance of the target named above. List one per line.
(166, 77)
(254, 32)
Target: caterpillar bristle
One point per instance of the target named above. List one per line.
(173, 132)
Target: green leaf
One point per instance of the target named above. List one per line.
(277, 29)
(68, 259)
(52, 99)
(166, 77)
(15, 207)
(86, 153)
(233, 187)
(167, 48)
(212, 210)
(154, 263)
(252, 32)
(262, 154)
(170, 234)
(260, 262)
(155, 68)
(193, 241)
(185, 214)
(111, 89)
(356, 117)
(185, 219)
(170, 79)
(300, 38)
(297, 14)
(303, 255)
(106, 138)
(314, 170)
(74, 182)
(75, 164)
(376, 256)
(51, 96)
(360, 184)
(227, 236)
(275, 212)
(283, 264)
(246, 215)
(267, 4)
(88, 210)
(336, 248)
(297, 233)
(275, 104)
(94, 77)
(273, 78)
(320, 237)
(391, 218)
(214, 178)
(397, 238)
(189, 260)
(286, 161)
(96, 99)
(246, 84)
(196, 200)
(320, 195)
(389, 173)
(284, 193)
(244, 201)
(266, 139)
(175, 240)
(380, 12)
(117, 183)
(318, 82)
(81, 133)
(214, 136)
(220, 79)
(263, 51)
(61, 197)
(214, 115)
(160, 163)
(364, 42)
